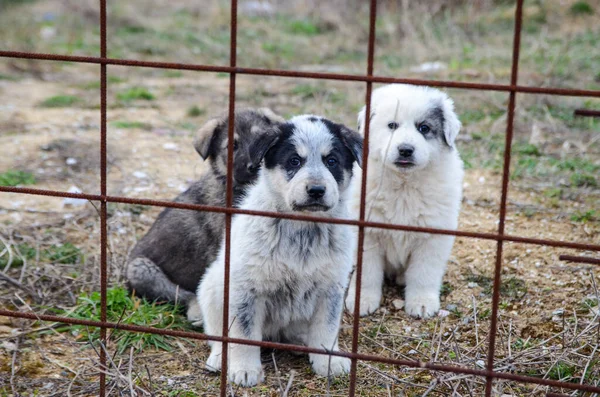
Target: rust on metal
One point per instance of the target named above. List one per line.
(513, 88)
(586, 113)
(579, 259)
(504, 195)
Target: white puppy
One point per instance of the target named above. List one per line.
(414, 178)
(288, 278)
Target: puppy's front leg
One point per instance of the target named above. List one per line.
(372, 279)
(424, 274)
(247, 315)
(323, 333)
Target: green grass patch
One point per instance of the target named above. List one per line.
(172, 73)
(302, 27)
(16, 178)
(66, 254)
(129, 124)
(7, 77)
(587, 216)
(581, 8)
(282, 50)
(123, 308)
(583, 180)
(195, 111)
(60, 101)
(27, 251)
(135, 93)
(562, 371)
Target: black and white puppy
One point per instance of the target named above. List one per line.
(168, 262)
(288, 278)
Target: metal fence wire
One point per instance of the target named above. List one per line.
(233, 70)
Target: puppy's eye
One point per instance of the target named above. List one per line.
(424, 129)
(295, 162)
(235, 144)
(331, 162)
(393, 125)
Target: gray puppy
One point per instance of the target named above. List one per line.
(169, 261)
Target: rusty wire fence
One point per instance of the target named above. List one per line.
(233, 70)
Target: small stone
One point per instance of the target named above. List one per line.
(443, 313)
(481, 180)
(472, 285)
(451, 307)
(140, 174)
(398, 304)
(9, 346)
(71, 161)
(480, 363)
(412, 351)
(170, 146)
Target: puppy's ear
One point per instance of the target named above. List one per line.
(451, 122)
(361, 120)
(271, 116)
(353, 141)
(259, 148)
(205, 136)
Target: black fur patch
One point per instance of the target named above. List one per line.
(351, 140)
(245, 312)
(334, 306)
(435, 120)
(283, 151)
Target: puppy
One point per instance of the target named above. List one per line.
(288, 277)
(168, 262)
(414, 178)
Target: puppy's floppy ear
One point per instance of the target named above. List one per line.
(204, 137)
(261, 145)
(353, 141)
(361, 120)
(271, 116)
(451, 122)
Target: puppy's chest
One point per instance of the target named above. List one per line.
(292, 301)
(307, 248)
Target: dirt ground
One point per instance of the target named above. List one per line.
(549, 319)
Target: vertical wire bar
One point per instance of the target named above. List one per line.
(103, 203)
(363, 192)
(505, 179)
(229, 194)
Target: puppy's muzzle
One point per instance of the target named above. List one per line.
(405, 156)
(314, 203)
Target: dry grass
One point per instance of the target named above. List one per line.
(548, 319)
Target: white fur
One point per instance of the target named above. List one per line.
(271, 264)
(427, 195)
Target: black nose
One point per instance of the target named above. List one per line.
(315, 191)
(406, 150)
(252, 169)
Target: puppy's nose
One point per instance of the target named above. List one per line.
(406, 150)
(252, 169)
(315, 191)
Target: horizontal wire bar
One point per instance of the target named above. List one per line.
(586, 113)
(579, 259)
(300, 74)
(307, 218)
(304, 349)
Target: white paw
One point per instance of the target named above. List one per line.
(213, 363)
(246, 377)
(323, 367)
(422, 305)
(194, 314)
(369, 302)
